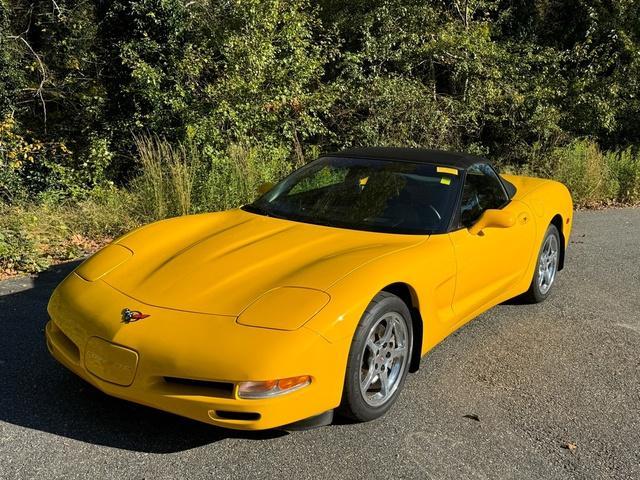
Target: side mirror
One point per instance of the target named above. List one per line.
(264, 188)
(493, 219)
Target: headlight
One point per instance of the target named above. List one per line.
(104, 261)
(284, 308)
(272, 388)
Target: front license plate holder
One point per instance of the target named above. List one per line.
(110, 362)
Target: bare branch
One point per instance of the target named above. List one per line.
(456, 4)
(43, 72)
(56, 7)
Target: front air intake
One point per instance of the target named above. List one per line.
(245, 416)
(202, 387)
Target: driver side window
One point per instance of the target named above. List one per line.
(482, 190)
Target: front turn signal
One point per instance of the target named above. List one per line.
(272, 388)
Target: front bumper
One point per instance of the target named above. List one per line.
(208, 354)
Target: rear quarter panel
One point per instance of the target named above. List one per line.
(550, 202)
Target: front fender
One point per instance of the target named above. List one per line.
(428, 268)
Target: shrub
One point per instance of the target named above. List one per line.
(19, 250)
(584, 169)
(625, 169)
(106, 213)
(34, 235)
(33, 166)
(232, 178)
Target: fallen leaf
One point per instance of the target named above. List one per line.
(472, 416)
(570, 446)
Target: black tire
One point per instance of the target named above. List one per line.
(536, 293)
(354, 405)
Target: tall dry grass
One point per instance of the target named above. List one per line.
(184, 162)
(168, 176)
(184, 179)
(151, 185)
(597, 177)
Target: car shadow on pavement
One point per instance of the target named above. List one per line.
(38, 393)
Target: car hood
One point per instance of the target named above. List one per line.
(219, 263)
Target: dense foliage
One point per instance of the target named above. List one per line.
(225, 94)
(510, 79)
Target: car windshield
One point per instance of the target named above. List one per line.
(363, 194)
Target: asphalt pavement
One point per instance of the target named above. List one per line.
(523, 391)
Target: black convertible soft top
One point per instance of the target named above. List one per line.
(461, 161)
(422, 155)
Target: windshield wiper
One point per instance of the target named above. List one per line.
(253, 208)
(250, 207)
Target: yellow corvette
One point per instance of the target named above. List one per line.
(322, 294)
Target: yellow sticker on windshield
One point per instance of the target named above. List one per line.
(452, 171)
(363, 181)
(445, 181)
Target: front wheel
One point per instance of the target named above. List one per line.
(546, 267)
(378, 360)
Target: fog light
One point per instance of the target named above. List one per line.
(271, 388)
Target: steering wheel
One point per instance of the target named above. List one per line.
(436, 213)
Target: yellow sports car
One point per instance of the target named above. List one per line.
(322, 294)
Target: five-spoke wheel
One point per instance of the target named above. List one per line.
(548, 263)
(546, 268)
(379, 358)
(383, 359)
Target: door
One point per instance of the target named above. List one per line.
(491, 263)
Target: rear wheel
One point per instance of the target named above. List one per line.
(378, 360)
(546, 267)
